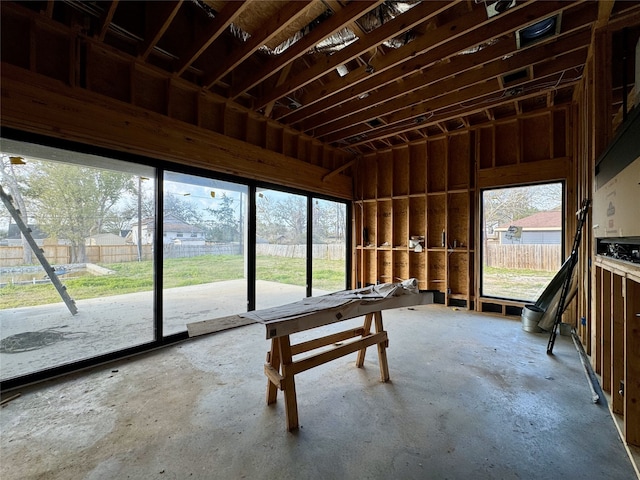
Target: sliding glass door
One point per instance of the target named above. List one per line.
(281, 247)
(329, 252)
(75, 283)
(204, 238)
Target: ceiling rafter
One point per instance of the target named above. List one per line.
(105, 19)
(270, 28)
(455, 66)
(327, 28)
(218, 25)
(402, 23)
(493, 69)
(491, 86)
(470, 31)
(166, 12)
(448, 115)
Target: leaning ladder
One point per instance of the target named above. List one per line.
(566, 285)
(26, 231)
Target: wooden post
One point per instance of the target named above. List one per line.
(617, 345)
(382, 350)
(605, 341)
(290, 402)
(273, 359)
(366, 331)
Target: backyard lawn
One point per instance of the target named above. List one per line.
(134, 277)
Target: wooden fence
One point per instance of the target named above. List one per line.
(530, 257)
(61, 254)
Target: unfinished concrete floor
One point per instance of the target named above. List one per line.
(471, 396)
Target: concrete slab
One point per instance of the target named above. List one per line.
(471, 396)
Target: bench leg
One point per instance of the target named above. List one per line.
(273, 359)
(366, 331)
(290, 402)
(382, 350)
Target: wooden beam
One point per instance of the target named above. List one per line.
(290, 12)
(327, 28)
(384, 98)
(408, 109)
(338, 170)
(458, 35)
(105, 19)
(402, 23)
(35, 104)
(218, 25)
(159, 17)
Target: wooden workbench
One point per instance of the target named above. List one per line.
(314, 312)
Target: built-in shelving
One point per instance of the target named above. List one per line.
(414, 215)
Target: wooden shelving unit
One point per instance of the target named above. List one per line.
(409, 200)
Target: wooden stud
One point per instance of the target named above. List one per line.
(382, 349)
(632, 367)
(273, 358)
(617, 345)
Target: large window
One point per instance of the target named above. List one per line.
(87, 288)
(139, 252)
(522, 237)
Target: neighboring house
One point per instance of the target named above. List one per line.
(105, 239)
(14, 239)
(539, 228)
(175, 232)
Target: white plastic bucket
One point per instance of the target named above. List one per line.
(531, 315)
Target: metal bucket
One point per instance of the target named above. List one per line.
(531, 315)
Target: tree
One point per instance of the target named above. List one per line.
(73, 202)
(224, 227)
(282, 221)
(13, 185)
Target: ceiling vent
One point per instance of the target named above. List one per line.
(496, 7)
(536, 32)
(513, 78)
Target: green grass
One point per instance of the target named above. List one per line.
(516, 284)
(180, 272)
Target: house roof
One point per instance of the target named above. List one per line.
(549, 220)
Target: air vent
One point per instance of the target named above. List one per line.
(513, 78)
(538, 31)
(497, 7)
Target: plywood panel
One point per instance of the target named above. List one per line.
(418, 216)
(370, 224)
(274, 138)
(183, 105)
(235, 123)
(16, 44)
(385, 174)
(400, 266)
(485, 147)
(560, 133)
(458, 163)
(385, 224)
(108, 75)
(418, 168)
(385, 267)
(369, 267)
(400, 222)
(458, 220)
(400, 171)
(507, 144)
(256, 131)
(53, 54)
(418, 268)
(536, 138)
(150, 92)
(437, 165)
(436, 270)
(436, 219)
(368, 177)
(458, 276)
